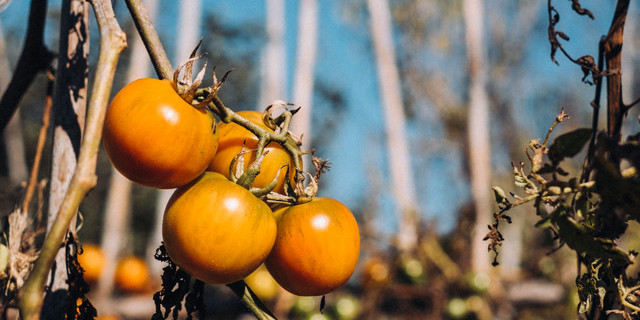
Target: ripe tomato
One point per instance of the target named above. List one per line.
(216, 230)
(92, 261)
(316, 249)
(132, 275)
(262, 284)
(375, 273)
(155, 138)
(233, 136)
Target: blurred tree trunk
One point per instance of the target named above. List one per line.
(69, 114)
(402, 183)
(304, 73)
(13, 139)
(117, 215)
(478, 132)
(630, 56)
(273, 64)
(189, 31)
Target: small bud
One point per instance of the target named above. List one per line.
(500, 196)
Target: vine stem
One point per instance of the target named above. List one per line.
(242, 290)
(112, 42)
(625, 294)
(150, 38)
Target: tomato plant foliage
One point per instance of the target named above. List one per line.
(590, 211)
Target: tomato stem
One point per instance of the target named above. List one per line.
(242, 290)
(150, 38)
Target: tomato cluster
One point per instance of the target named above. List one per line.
(213, 228)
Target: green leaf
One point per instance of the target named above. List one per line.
(569, 144)
(545, 222)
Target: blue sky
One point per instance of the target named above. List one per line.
(345, 60)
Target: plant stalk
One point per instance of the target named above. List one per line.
(112, 42)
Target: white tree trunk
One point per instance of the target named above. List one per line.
(402, 183)
(188, 31)
(304, 73)
(69, 118)
(478, 132)
(273, 63)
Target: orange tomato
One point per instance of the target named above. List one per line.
(92, 262)
(132, 275)
(216, 230)
(233, 137)
(262, 283)
(375, 273)
(316, 249)
(155, 138)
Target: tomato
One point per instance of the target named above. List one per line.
(316, 248)
(155, 138)
(262, 284)
(92, 262)
(375, 273)
(216, 230)
(233, 136)
(132, 275)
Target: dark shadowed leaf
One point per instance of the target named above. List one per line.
(569, 144)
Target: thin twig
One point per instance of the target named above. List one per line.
(34, 58)
(559, 118)
(625, 295)
(42, 136)
(112, 42)
(150, 39)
